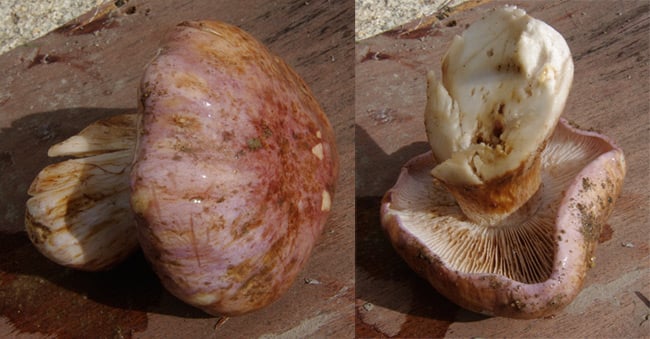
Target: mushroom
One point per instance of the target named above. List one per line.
(503, 214)
(234, 171)
(225, 176)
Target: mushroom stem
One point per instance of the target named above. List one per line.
(79, 214)
(503, 88)
(500, 201)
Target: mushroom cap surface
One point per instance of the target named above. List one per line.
(531, 266)
(234, 172)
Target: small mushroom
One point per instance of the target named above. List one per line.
(509, 224)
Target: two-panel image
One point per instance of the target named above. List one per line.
(325, 169)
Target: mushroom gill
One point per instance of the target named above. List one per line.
(524, 247)
(533, 264)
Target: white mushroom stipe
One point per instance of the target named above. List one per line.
(106, 135)
(79, 214)
(504, 85)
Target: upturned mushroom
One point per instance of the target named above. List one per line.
(503, 215)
